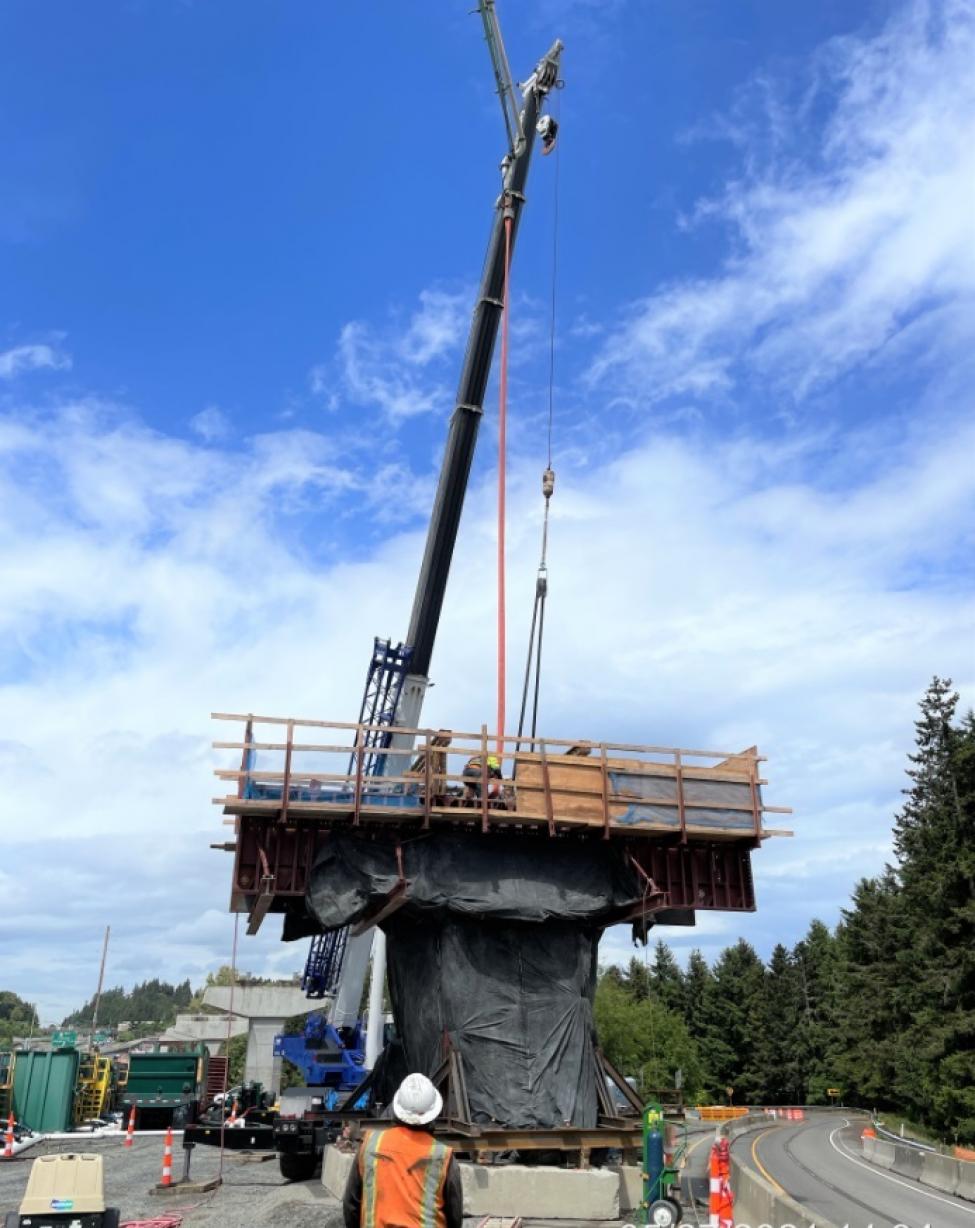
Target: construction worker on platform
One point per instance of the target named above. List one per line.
(474, 777)
(403, 1177)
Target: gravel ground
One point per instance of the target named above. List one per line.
(253, 1195)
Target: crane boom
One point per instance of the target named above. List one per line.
(466, 418)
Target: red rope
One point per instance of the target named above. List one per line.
(502, 450)
(230, 1024)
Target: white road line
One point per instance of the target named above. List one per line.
(879, 1172)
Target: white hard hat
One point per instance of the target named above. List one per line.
(417, 1101)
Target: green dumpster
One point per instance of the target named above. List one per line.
(44, 1086)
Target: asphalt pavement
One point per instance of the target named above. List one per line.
(818, 1163)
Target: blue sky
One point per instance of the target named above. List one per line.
(238, 249)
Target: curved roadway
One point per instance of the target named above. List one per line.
(817, 1162)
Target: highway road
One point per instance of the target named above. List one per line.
(817, 1162)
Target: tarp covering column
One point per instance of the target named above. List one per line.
(515, 1000)
(494, 950)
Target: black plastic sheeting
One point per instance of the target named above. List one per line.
(495, 950)
(513, 878)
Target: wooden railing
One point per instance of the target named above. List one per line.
(445, 775)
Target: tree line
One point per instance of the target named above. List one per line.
(880, 1008)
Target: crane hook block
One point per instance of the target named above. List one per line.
(548, 129)
(548, 483)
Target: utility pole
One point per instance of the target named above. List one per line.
(98, 992)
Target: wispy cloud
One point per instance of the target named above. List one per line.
(847, 231)
(31, 358)
(211, 423)
(397, 370)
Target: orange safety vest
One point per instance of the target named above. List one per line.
(403, 1173)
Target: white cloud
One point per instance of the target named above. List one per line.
(713, 597)
(839, 252)
(31, 358)
(397, 370)
(211, 423)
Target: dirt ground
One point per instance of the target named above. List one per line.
(253, 1195)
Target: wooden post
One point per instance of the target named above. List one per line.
(286, 789)
(549, 813)
(756, 806)
(604, 788)
(245, 764)
(427, 783)
(679, 781)
(484, 778)
(357, 784)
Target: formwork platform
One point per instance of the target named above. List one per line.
(689, 818)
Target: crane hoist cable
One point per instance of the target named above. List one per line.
(548, 488)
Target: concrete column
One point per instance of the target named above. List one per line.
(260, 1064)
(346, 1009)
(374, 1033)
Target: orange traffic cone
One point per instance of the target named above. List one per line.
(167, 1172)
(130, 1132)
(8, 1139)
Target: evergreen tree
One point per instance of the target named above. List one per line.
(697, 984)
(17, 1018)
(734, 1009)
(777, 1049)
(934, 836)
(666, 979)
(153, 1001)
(871, 1014)
(816, 960)
(637, 980)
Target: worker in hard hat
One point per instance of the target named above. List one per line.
(474, 778)
(403, 1176)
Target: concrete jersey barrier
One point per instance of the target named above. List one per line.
(907, 1161)
(883, 1153)
(939, 1172)
(966, 1179)
(930, 1168)
(757, 1203)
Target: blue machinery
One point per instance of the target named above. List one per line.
(326, 1058)
(323, 968)
(387, 672)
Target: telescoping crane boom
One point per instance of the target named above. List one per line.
(398, 675)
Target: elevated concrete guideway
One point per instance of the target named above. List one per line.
(264, 1008)
(210, 1029)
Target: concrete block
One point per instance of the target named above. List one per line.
(883, 1153)
(907, 1161)
(868, 1147)
(540, 1192)
(939, 1172)
(631, 1186)
(966, 1180)
(335, 1170)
